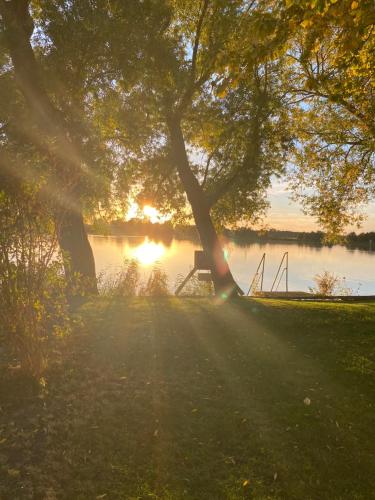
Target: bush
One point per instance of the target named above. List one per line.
(329, 284)
(124, 283)
(33, 307)
(127, 282)
(157, 284)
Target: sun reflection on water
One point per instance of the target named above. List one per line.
(148, 252)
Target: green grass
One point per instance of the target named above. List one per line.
(185, 398)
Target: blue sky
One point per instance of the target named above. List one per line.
(286, 214)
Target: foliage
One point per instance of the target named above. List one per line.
(33, 305)
(156, 285)
(81, 163)
(326, 283)
(124, 283)
(127, 282)
(243, 81)
(332, 63)
(329, 284)
(228, 99)
(194, 287)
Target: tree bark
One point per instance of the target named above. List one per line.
(79, 259)
(224, 283)
(54, 139)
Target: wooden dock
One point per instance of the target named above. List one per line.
(314, 297)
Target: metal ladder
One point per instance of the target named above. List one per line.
(257, 281)
(280, 273)
(259, 275)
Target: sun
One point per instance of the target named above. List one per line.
(152, 214)
(147, 212)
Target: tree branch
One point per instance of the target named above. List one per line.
(197, 40)
(222, 189)
(194, 84)
(211, 155)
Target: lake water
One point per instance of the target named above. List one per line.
(176, 257)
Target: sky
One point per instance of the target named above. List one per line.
(286, 214)
(283, 214)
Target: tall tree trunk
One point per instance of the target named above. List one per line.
(53, 138)
(222, 278)
(75, 247)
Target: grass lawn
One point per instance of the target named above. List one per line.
(186, 398)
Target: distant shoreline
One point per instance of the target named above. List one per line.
(242, 236)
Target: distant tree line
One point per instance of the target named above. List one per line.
(166, 231)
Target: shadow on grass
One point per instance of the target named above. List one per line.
(178, 398)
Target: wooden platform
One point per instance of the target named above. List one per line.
(313, 297)
(283, 295)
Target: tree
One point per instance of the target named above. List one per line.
(212, 114)
(333, 56)
(53, 137)
(59, 53)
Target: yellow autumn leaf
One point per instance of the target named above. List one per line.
(13, 472)
(306, 23)
(222, 94)
(354, 5)
(246, 483)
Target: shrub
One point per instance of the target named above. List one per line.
(157, 284)
(124, 283)
(329, 284)
(127, 282)
(33, 306)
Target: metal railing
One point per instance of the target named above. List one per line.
(259, 275)
(280, 273)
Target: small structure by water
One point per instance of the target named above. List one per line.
(257, 281)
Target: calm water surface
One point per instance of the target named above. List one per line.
(176, 257)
